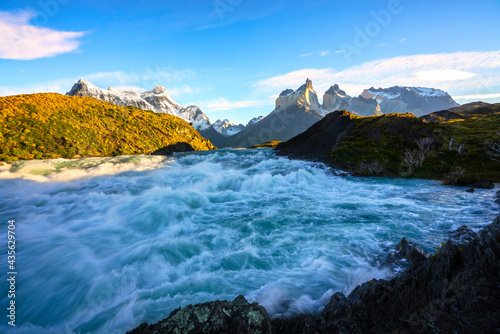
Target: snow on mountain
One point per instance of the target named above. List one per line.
(226, 128)
(255, 120)
(337, 99)
(157, 100)
(303, 96)
(416, 100)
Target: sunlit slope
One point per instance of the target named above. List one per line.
(43, 126)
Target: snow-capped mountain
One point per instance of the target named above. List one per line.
(416, 100)
(336, 99)
(226, 128)
(157, 100)
(255, 120)
(304, 96)
(296, 110)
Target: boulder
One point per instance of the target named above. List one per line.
(237, 316)
(406, 252)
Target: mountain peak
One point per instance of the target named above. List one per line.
(307, 86)
(335, 90)
(156, 100)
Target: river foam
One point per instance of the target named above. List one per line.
(107, 243)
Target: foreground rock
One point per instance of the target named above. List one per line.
(237, 316)
(457, 290)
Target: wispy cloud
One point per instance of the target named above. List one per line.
(382, 45)
(319, 53)
(402, 40)
(479, 96)
(223, 104)
(20, 40)
(148, 79)
(339, 51)
(460, 73)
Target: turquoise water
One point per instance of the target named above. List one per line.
(104, 244)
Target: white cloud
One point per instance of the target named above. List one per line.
(339, 51)
(444, 75)
(324, 53)
(148, 78)
(382, 44)
(20, 40)
(459, 73)
(306, 54)
(223, 104)
(402, 40)
(479, 96)
(295, 79)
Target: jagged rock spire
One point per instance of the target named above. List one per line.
(309, 84)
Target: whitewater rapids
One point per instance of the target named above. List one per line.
(104, 244)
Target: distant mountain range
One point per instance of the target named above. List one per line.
(227, 128)
(157, 100)
(416, 100)
(295, 110)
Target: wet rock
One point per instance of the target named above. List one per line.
(407, 253)
(462, 236)
(483, 185)
(470, 190)
(497, 197)
(455, 291)
(170, 149)
(237, 316)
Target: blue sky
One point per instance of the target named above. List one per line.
(233, 57)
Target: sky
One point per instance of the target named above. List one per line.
(232, 58)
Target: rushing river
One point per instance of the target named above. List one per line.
(104, 244)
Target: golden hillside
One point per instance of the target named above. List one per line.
(49, 125)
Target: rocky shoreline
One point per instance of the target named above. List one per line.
(455, 290)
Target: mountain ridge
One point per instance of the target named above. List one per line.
(295, 111)
(157, 100)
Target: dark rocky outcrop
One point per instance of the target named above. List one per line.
(465, 111)
(406, 252)
(215, 137)
(459, 153)
(320, 139)
(281, 125)
(457, 290)
(237, 316)
(171, 149)
(462, 236)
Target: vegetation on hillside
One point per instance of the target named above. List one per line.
(267, 144)
(44, 126)
(460, 151)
